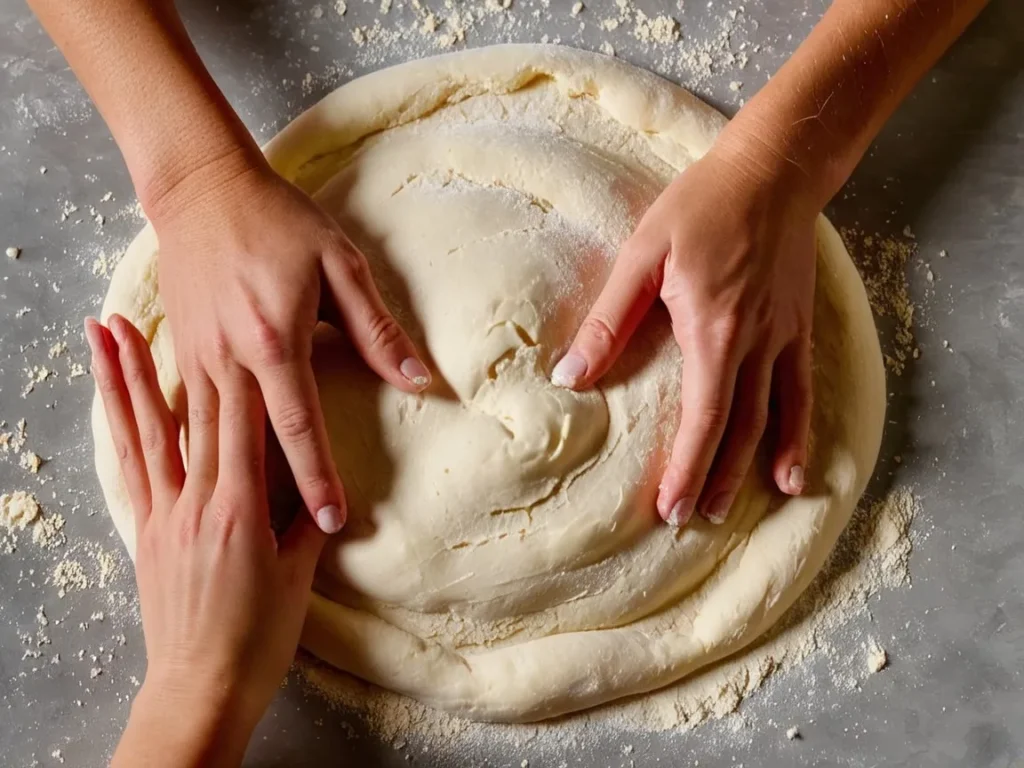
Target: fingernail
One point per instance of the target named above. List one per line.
(330, 519)
(718, 508)
(796, 479)
(92, 334)
(569, 371)
(681, 513)
(415, 372)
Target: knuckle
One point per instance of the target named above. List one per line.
(186, 532)
(295, 423)
(153, 440)
(134, 375)
(598, 329)
(712, 418)
(123, 451)
(351, 264)
(271, 347)
(108, 386)
(218, 348)
(222, 511)
(190, 366)
(201, 416)
(383, 332)
(726, 332)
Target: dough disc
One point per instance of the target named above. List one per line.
(503, 559)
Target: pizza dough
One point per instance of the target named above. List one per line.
(503, 559)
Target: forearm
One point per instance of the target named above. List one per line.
(165, 112)
(817, 116)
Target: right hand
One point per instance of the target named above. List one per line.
(248, 265)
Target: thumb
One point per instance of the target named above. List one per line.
(632, 287)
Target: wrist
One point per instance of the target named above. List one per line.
(180, 179)
(776, 157)
(176, 725)
(762, 177)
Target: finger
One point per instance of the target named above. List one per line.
(374, 331)
(106, 370)
(242, 443)
(156, 427)
(301, 546)
(746, 426)
(293, 404)
(709, 378)
(203, 410)
(632, 287)
(796, 398)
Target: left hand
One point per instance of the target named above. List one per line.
(223, 599)
(731, 252)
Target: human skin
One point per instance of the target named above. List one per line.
(729, 247)
(248, 264)
(223, 598)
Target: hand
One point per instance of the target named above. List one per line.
(248, 265)
(223, 599)
(731, 252)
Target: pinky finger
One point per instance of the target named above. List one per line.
(106, 370)
(795, 398)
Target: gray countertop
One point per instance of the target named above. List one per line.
(950, 166)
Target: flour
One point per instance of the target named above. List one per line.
(872, 555)
(30, 461)
(696, 52)
(877, 658)
(882, 262)
(67, 576)
(18, 510)
(661, 29)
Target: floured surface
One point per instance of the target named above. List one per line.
(504, 560)
(871, 557)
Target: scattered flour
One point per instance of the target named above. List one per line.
(21, 511)
(18, 510)
(872, 554)
(882, 262)
(877, 658)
